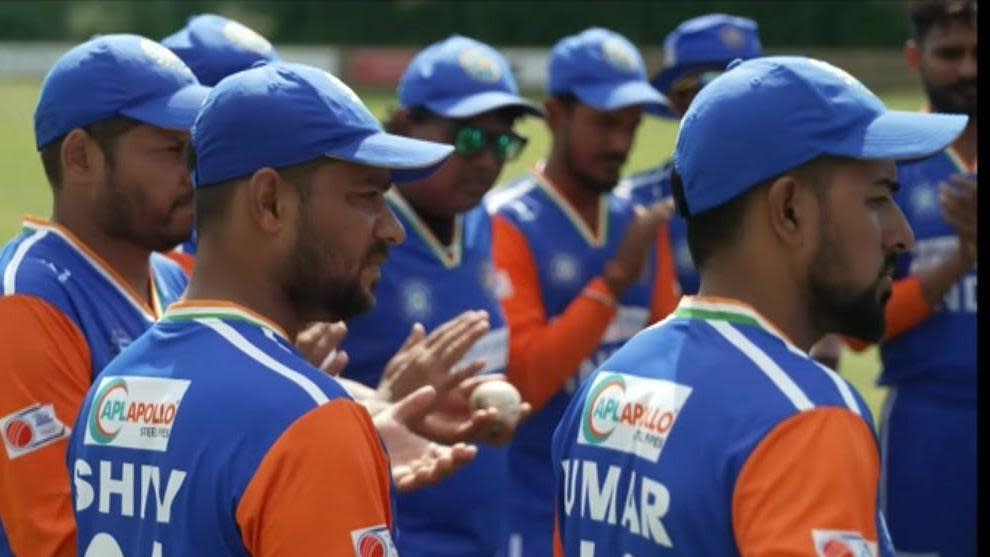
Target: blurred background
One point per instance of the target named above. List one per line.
(368, 44)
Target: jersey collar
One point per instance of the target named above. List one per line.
(449, 256)
(188, 310)
(713, 308)
(150, 312)
(594, 238)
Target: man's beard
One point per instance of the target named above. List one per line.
(120, 219)
(315, 286)
(596, 185)
(839, 308)
(945, 99)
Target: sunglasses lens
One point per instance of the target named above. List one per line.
(509, 146)
(469, 141)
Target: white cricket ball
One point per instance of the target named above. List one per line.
(500, 395)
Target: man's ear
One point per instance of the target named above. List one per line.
(399, 121)
(80, 157)
(912, 54)
(272, 202)
(556, 114)
(792, 211)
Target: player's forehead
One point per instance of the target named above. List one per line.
(950, 33)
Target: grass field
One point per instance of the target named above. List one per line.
(25, 190)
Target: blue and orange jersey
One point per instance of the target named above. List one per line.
(936, 346)
(212, 435)
(648, 187)
(710, 433)
(64, 315)
(427, 282)
(185, 253)
(563, 319)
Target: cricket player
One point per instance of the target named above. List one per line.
(79, 287)
(458, 91)
(694, 53)
(583, 270)
(928, 426)
(214, 47)
(713, 432)
(211, 434)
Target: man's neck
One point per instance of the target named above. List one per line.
(231, 280)
(441, 227)
(126, 259)
(581, 197)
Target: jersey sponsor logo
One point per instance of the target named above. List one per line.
(564, 268)
(134, 412)
(373, 542)
(30, 429)
(417, 300)
(479, 65)
(631, 414)
(924, 201)
(620, 56)
(246, 38)
(842, 543)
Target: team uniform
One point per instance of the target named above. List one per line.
(928, 430)
(712, 434)
(68, 314)
(563, 322)
(648, 187)
(212, 435)
(424, 281)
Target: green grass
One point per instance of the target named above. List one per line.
(25, 190)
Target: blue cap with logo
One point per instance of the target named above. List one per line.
(282, 114)
(214, 47)
(116, 75)
(602, 69)
(460, 77)
(766, 116)
(705, 42)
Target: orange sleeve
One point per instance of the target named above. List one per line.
(325, 480)
(544, 354)
(905, 310)
(666, 291)
(813, 477)
(45, 365)
(184, 260)
(558, 546)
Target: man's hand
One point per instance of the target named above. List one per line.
(958, 203)
(319, 342)
(416, 461)
(632, 253)
(451, 420)
(430, 359)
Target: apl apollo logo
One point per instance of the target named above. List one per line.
(631, 414)
(135, 412)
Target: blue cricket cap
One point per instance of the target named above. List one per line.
(708, 41)
(602, 69)
(282, 114)
(460, 77)
(766, 116)
(214, 47)
(116, 75)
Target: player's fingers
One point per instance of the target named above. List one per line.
(456, 347)
(454, 327)
(459, 376)
(964, 183)
(416, 334)
(336, 364)
(414, 405)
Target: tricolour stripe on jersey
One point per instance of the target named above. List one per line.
(99, 265)
(449, 257)
(245, 346)
(843, 387)
(765, 363)
(218, 309)
(10, 274)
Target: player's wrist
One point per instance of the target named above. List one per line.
(616, 278)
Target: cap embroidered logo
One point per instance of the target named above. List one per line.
(246, 38)
(478, 65)
(619, 56)
(164, 57)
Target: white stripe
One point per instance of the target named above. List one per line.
(766, 365)
(10, 274)
(888, 408)
(840, 383)
(244, 345)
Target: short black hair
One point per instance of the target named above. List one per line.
(567, 99)
(719, 227)
(105, 133)
(926, 14)
(213, 201)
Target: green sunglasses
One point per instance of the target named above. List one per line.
(470, 141)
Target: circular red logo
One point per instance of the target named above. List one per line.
(371, 545)
(838, 548)
(19, 434)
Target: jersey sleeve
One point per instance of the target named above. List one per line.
(322, 485)
(666, 291)
(544, 354)
(809, 487)
(905, 309)
(45, 373)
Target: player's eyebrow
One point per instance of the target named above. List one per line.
(889, 183)
(380, 183)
